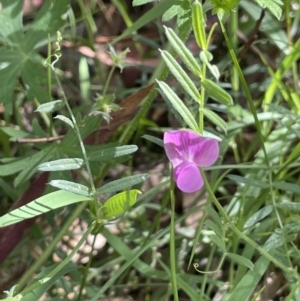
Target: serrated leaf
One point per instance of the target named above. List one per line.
(119, 204)
(218, 242)
(183, 52)
(65, 119)
(111, 153)
(241, 260)
(216, 92)
(248, 181)
(273, 6)
(178, 105)
(50, 18)
(41, 205)
(71, 187)
(258, 216)
(50, 106)
(122, 184)
(170, 13)
(214, 118)
(61, 164)
(181, 75)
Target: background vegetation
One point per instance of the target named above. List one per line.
(88, 209)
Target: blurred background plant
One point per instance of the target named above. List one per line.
(91, 125)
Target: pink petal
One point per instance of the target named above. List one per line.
(188, 177)
(203, 151)
(174, 147)
(184, 145)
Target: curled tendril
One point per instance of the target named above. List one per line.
(57, 53)
(196, 265)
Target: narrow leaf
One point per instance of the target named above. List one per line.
(217, 230)
(41, 205)
(50, 106)
(153, 139)
(183, 52)
(71, 187)
(141, 2)
(199, 24)
(249, 282)
(247, 181)
(61, 164)
(181, 76)
(258, 216)
(287, 186)
(178, 105)
(65, 119)
(218, 242)
(111, 153)
(122, 184)
(289, 206)
(216, 92)
(149, 16)
(214, 215)
(241, 260)
(214, 118)
(119, 203)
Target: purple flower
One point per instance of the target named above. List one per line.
(187, 150)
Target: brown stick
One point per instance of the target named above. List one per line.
(39, 140)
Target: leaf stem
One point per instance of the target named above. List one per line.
(76, 129)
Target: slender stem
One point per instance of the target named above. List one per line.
(108, 80)
(78, 135)
(86, 270)
(172, 242)
(201, 102)
(61, 265)
(48, 251)
(49, 78)
(246, 90)
(241, 234)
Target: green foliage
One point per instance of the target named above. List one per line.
(19, 48)
(245, 222)
(41, 205)
(118, 204)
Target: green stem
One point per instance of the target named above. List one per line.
(76, 129)
(172, 242)
(108, 80)
(49, 78)
(201, 102)
(246, 90)
(61, 265)
(86, 270)
(241, 234)
(48, 251)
